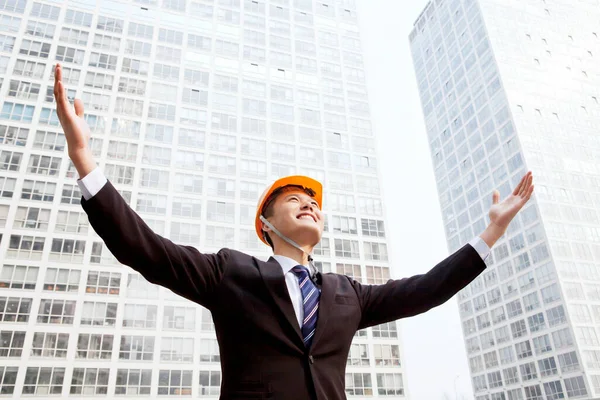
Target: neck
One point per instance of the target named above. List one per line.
(287, 250)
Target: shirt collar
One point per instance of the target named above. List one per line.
(286, 263)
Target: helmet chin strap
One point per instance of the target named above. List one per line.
(291, 243)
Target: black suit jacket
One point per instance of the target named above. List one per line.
(261, 347)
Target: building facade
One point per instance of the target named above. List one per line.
(509, 86)
(194, 106)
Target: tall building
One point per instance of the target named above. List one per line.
(508, 86)
(194, 106)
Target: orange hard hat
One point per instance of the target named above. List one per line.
(297, 180)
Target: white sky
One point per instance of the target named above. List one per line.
(434, 352)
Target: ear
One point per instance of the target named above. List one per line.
(264, 227)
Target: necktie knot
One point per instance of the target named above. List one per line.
(300, 271)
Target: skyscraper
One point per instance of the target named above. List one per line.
(194, 106)
(505, 87)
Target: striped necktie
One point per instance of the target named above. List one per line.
(310, 301)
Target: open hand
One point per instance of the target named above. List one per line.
(77, 132)
(501, 214)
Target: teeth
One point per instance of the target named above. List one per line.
(306, 217)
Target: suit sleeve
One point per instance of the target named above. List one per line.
(414, 295)
(183, 269)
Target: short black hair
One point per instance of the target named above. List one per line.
(267, 210)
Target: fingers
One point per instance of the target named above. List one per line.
(58, 73)
(495, 197)
(523, 185)
(527, 184)
(530, 192)
(79, 107)
(62, 103)
(518, 188)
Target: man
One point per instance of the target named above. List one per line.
(284, 330)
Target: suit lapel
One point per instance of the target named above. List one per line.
(275, 281)
(328, 289)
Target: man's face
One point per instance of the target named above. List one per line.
(297, 216)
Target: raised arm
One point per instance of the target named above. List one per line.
(183, 269)
(411, 296)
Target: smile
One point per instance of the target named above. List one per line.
(306, 216)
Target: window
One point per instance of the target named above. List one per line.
(62, 280)
(218, 236)
(174, 382)
(42, 50)
(556, 316)
(55, 311)
(533, 392)
(177, 349)
(156, 155)
(372, 227)
(386, 330)
(511, 376)
(8, 375)
(375, 251)
(377, 275)
(188, 183)
(476, 364)
(518, 329)
(90, 381)
(494, 379)
(185, 233)
(523, 350)
(152, 203)
(140, 316)
(67, 250)
(183, 318)
(575, 387)
(531, 301)
(14, 136)
(359, 384)
(547, 367)
(370, 206)
(11, 345)
(18, 276)
(17, 112)
(119, 174)
(346, 248)
(209, 350)
(24, 90)
(94, 346)
(568, 362)
(390, 384)
(43, 380)
(25, 247)
(536, 322)
(514, 308)
(479, 383)
(122, 150)
(99, 313)
(550, 293)
(344, 225)
(528, 371)
(358, 355)
(219, 211)
(210, 383)
(187, 207)
(132, 382)
(386, 355)
(139, 348)
(542, 344)
(507, 355)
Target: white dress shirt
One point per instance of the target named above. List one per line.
(95, 180)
